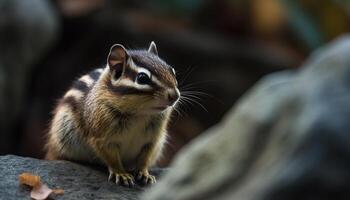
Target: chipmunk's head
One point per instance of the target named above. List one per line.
(141, 81)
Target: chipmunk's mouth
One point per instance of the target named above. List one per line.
(162, 105)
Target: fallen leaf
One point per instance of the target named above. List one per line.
(29, 179)
(40, 193)
(58, 191)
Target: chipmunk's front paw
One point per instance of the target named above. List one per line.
(124, 179)
(143, 176)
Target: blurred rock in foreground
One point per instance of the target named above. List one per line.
(78, 181)
(288, 138)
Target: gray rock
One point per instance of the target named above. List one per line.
(287, 138)
(79, 181)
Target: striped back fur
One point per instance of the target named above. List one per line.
(133, 94)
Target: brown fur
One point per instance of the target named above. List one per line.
(95, 122)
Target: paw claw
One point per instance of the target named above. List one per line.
(125, 179)
(131, 184)
(145, 178)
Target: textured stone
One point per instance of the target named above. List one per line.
(79, 181)
(287, 138)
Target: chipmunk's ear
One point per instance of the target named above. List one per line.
(117, 56)
(153, 48)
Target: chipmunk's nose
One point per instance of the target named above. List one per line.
(173, 96)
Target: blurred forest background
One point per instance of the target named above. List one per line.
(218, 47)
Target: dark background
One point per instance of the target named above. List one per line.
(219, 48)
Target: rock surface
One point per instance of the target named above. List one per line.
(288, 138)
(78, 181)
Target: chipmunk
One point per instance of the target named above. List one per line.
(117, 115)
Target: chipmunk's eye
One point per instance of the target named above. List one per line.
(143, 79)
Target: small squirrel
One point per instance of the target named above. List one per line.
(117, 115)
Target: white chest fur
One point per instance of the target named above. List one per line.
(133, 138)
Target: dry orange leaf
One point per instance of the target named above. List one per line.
(58, 191)
(40, 191)
(29, 179)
